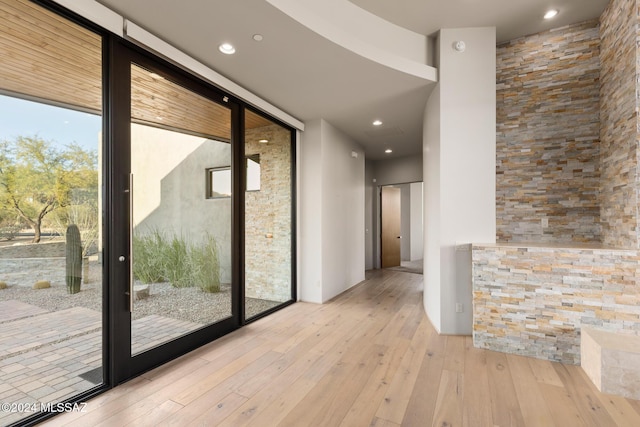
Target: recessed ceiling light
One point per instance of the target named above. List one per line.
(377, 123)
(263, 141)
(159, 118)
(227, 48)
(258, 37)
(388, 151)
(156, 76)
(550, 14)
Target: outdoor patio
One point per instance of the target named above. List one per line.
(50, 356)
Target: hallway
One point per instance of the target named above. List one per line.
(368, 357)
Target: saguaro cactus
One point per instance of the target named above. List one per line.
(74, 259)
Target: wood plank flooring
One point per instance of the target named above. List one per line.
(369, 357)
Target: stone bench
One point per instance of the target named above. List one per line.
(612, 361)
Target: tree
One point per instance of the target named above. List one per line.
(37, 177)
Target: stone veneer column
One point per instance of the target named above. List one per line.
(547, 140)
(619, 123)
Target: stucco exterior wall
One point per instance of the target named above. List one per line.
(169, 182)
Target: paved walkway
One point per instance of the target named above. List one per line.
(50, 356)
(13, 310)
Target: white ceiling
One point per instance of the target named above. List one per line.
(512, 18)
(310, 77)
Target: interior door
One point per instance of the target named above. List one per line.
(390, 230)
(176, 273)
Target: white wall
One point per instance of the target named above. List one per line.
(332, 220)
(369, 216)
(431, 154)
(342, 212)
(399, 170)
(417, 221)
(405, 222)
(310, 217)
(460, 164)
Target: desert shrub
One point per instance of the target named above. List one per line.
(9, 231)
(10, 226)
(42, 284)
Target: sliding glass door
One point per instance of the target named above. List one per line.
(173, 190)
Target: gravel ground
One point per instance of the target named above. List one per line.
(189, 304)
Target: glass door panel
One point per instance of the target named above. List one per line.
(268, 224)
(181, 211)
(51, 251)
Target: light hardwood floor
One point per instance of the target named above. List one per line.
(370, 357)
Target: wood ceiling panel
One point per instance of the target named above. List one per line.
(45, 56)
(253, 120)
(166, 104)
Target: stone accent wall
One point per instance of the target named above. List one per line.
(547, 144)
(619, 129)
(533, 301)
(268, 217)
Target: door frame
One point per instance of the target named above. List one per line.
(382, 228)
(376, 223)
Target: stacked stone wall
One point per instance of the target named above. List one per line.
(268, 216)
(568, 139)
(533, 301)
(619, 124)
(548, 131)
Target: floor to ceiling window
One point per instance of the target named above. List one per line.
(180, 191)
(268, 214)
(51, 248)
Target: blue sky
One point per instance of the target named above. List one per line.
(58, 125)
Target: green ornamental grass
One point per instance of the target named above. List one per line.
(159, 258)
